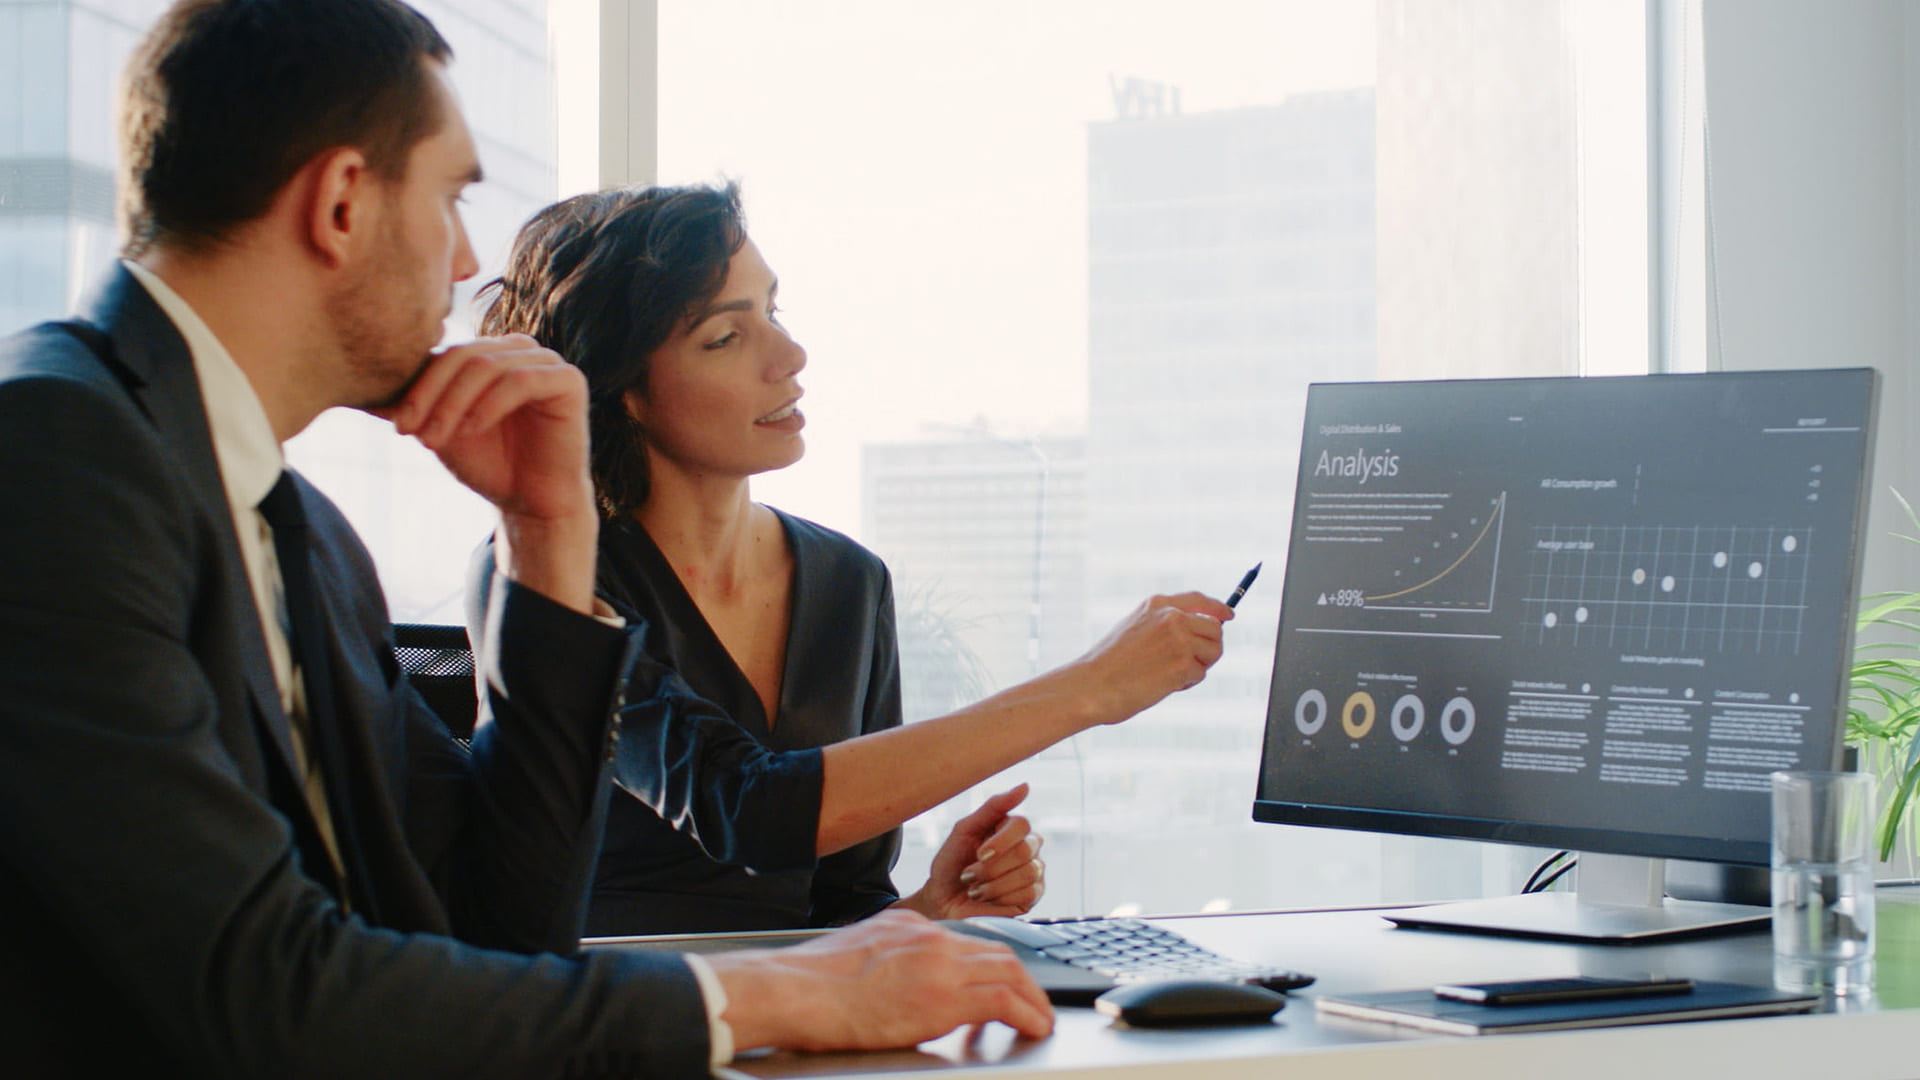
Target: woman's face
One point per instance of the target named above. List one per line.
(722, 390)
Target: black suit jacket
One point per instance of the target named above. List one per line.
(164, 908)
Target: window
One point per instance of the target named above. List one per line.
(56, 155)
(1064, 272)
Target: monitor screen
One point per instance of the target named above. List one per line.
(1587, 613)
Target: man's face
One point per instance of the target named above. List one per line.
(390, 312)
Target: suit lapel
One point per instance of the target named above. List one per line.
(154, 361)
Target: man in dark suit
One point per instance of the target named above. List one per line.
(233, 841)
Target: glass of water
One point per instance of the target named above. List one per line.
(1823, 881)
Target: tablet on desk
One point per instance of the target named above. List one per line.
(1428, 1011)
(1572, 988)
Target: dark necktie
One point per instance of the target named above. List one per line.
(307, 641)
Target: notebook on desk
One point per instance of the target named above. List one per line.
(1422, 1009)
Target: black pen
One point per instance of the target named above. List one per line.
(1240, 590)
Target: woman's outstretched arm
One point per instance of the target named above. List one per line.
(878, 781)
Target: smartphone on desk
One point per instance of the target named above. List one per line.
(1575, 988)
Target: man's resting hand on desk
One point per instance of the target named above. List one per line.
(893, 980)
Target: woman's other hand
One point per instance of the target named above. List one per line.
(989, 865)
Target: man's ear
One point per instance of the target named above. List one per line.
(340, 206)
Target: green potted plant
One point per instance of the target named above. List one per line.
(1883, 710)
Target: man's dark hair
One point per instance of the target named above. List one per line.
(224, 100)
(603, 280)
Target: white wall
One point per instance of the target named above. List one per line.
(1812, 118)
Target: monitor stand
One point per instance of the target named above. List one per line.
(1620, 900)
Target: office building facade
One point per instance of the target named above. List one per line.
(986, 539)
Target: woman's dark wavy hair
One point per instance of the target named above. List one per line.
(603, 280)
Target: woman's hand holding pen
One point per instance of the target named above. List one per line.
(989, 865)
(1166, 644)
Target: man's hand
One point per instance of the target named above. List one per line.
(989, 865)
(892, 981)
(509, 420)
(1166, 644)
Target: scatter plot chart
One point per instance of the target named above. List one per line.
(1668, 588)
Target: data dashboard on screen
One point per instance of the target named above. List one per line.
(1592, 613)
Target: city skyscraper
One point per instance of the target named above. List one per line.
(986, 540)
(1231, 264)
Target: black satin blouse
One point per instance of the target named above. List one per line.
(740, 856)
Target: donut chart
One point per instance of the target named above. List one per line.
(1406, 719)
(1310, 713)
(1356, 716)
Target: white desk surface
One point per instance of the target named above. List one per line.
(1358, 950)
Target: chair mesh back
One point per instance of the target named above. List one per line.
(439, 663)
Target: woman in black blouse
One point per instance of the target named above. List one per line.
(764, 769)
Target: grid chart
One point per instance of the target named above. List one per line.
(1721, 589)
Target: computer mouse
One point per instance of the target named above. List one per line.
(1190, 1001)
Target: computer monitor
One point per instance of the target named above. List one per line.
(1583, 613)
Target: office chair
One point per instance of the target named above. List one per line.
(439, 663)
